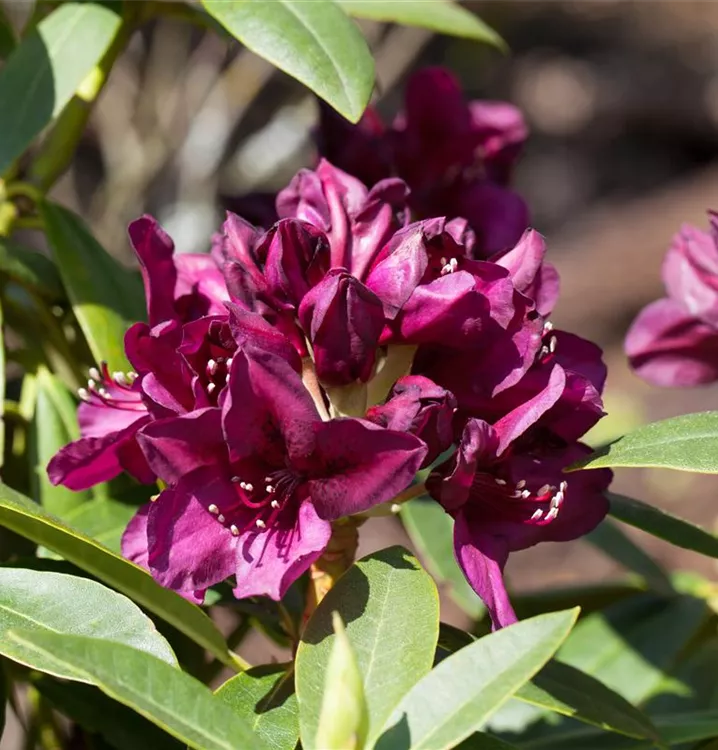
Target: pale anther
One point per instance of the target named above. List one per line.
(83, 394)
(213, 509)
(553, 342)
(543, 490)
(229, 362)
(95, 373)
(275, 504)
(269, 489)
(552, 513)
(132, 375)
(91, 384)
(234, 530)
(520, 484)
(563, 486)
(211, 367)
(249, 487)
(221, 518)
(499, 481)
(236, 479)
(211, 387)
(260, 524)
(537, 514)
(525, 494)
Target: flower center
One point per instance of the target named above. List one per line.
(217, 372)
(549, 343)
(519, 504)
(112, 390)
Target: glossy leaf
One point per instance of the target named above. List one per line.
(264, 698)
(2, 386)
(28, 519)
(343, 720)
(106, 298)
(562, 689)
(59, 603)
(46, 69)
(120, 727)
(631, 646)
(442, 16)
(103, 519)
(391, 609)
(686, 443)
(165, 695)
(54, 425)
(662, 524)
(315, 42)
(36, 272)
(612, 541)
(431, 530)
(457, 697)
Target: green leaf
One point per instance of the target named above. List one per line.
(3, 698)
(2, 386)
(43, 73)
(431, 530)
(103, 519)
(313, 42)
(482, 741)
(264, 698)
(86, 705)
(8, 42)
(456, 697)
(29, 520)
(611, 540)
(59, 603)
(662, 524)
(166, 696)
(561, 688)
(632, 646)
(442, 16)
(36, 272)
(106, 298)
(686, 443)
(54, 425)
(391, 609)
(343, 720)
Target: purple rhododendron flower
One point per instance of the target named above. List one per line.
(255, 483)
(674, 341)
(505, 488)
(456, 156)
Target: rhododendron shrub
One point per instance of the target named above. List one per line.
(195, 448)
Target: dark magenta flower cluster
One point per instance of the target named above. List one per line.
(304, 373)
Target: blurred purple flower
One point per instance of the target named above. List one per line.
(674, 341)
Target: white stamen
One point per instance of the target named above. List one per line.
(91, 384)
(395, 507)
(249, 487)
(553, 342)
(229, 362)
(211, 387)
(521, 484)
(95, 373)
(259, 523)
(83, 394)
(211, 367)
(104, 393)
(525, 494)
(237, 479)
(132, 375)
(544, 352)
(552, 513)
(543, 490)
(269, 489)
(499, 481)
(213, 509)
(547, 326)
(234, 530)
(153, 498)
(120, 378)
(275, 504)
(563, 486)
(221, 518)
(537, 515)
(557, 499)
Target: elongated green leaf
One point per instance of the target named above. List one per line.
(674, 728)
(662, 524)
(8, 42)
(343, 720)
(431, 530)
(565, 690)
(119, 726)
(103, 519)
(43, 73)
(632, 646)
(588, 598)
(313, 42)
(443, 16)
(59, 603)
(166, 696)
(36, 272)
(54, 425)
(391, 609)
(458, 695)
(264, 698)
(611, 540)
(686, 443)
(29, 520)
(2, 386)
(3, 698)
(105, 297)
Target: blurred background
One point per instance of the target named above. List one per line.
(622, 101)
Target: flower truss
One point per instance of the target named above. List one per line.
(305, 373)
